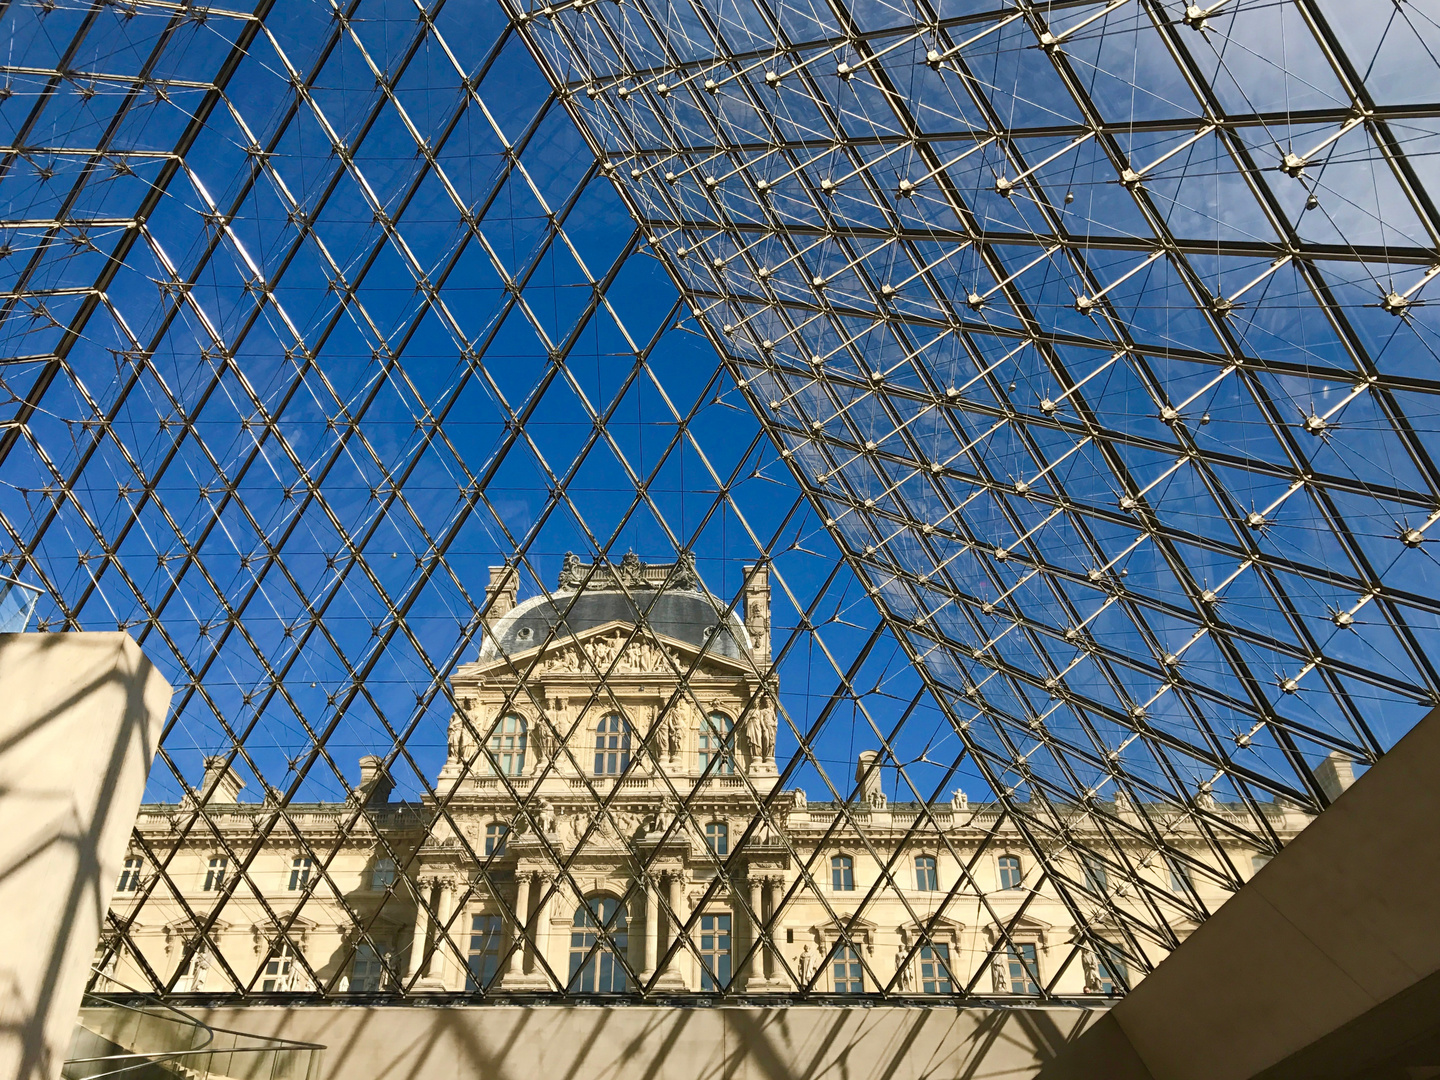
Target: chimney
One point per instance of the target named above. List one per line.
(500, 593)
(870, 779)
(221, 784)
(375, 783)
(757, 612)
(1335, 774)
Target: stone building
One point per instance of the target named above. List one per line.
(609, 817)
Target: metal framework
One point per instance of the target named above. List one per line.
(1069, 367)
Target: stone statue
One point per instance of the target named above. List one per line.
(1092, 970)
(800, 799)
(672, 733)
(686, 576)
(456, 736)
(199, 965)
(631, 569)
(960, 802)
(539, 736)
(999, 977)
(805, 965)
(571, 574)
(904, 970)
(546, 817)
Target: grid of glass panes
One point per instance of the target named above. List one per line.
(612, 746)
(842, 873)
(717, 837)
(847, 973)
(507, 746)
(714, 951)
(367, 973)
(716, 744)
(595, 967)
(926, 877)
(1024, 972)
(483, 951)
(935, 968)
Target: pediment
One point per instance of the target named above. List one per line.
(936, 928)
(612, 643)
(1023, 924)
(858, 929)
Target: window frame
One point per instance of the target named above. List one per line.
(842, 872)
(369, 955)
(942, 974)
(131, 874)
(720, 830)
(608, 757)
(216, 871)
(497, 837)
(593, 959)
(930, 872)
(723, 749)
(1012, 957)
(300, 867)
(716, 962)
(1005, 862)
(488, 929)
(846, 954)
(507, 748)
(383, 866)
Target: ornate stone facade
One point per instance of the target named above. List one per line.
(610, 790)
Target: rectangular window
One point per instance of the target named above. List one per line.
(926, 880)
(1095, 877)
(368, 970)
(130, 875)
(299, 872)
(1010, 871)
(279, 971)
(486, 938)
(717, 835)
(383, 874)
(1024, 974)
(847, 972)
(1112, 971)
(935, 969)
(714, 952)
(215, 873)
(842, 873)
(496, 834)
(1179, 877)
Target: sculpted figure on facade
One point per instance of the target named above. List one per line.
(760, 731)
(456, 737)
(572, 574)
(999, 977)
(904, 970)
(805, 965)
(546, 817)
(1092, 970)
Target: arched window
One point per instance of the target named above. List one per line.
(717, 835)
(1009, 871)
(595, 966)
(612, 746)
(842, 873)
(507, 746)
(717, 743)
(926, 879)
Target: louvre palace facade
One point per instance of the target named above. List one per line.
(632, 717)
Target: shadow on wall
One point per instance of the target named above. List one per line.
(80, 719)
(640, 1043)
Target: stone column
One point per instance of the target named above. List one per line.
(670, 978)
(421, 930)
(652, 927)
(776, 887)
(439, 966)
(516, 968)
(542, 925)
(757, 915)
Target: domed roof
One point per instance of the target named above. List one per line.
(669, 599)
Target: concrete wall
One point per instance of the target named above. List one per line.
(637, 1043)
(80, 718)
(1343, 921)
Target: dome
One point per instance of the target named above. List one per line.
(672, 603)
